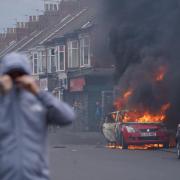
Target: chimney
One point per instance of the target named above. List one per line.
(51, 6)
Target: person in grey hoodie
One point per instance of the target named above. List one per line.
(25, 113)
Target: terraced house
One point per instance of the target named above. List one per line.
(62, 46)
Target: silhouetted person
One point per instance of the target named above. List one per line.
(25, 113)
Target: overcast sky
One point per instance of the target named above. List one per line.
(12, 10)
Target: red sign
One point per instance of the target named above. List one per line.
(77, 84)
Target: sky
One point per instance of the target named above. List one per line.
(17, 10)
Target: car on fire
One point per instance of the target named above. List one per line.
(134, 133)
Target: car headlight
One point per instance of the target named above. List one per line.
(130, 129)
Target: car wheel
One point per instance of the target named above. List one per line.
(178, 150)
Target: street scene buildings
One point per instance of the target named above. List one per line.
(116, 62)
(61, 46)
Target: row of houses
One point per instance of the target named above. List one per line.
(63, 51)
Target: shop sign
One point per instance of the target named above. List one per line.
(77, 85)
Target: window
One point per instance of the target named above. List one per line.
(51, 7)
(46, 7)
(73, 55)
(42, 61)
(51, 60)
(85, 51)
(60, 58)
(30, 59)
(55, 7)
(35, 63)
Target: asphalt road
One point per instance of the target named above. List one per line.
(83, 161)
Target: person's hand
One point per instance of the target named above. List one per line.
(6, 84)
(28, 83)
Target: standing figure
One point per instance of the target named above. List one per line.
(25, 113)
(98, 115)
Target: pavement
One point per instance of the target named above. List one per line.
(83, 156)
(66, 136)
(171, 150)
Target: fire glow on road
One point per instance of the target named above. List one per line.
(135, 147)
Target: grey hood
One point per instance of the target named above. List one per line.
(15, 61)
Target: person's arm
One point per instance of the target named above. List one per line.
(58, 111)
(5, 84)
(5, 87)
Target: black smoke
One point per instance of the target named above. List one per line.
(143, 36)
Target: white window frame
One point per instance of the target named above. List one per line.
(83, 45)
(73, 62)
(33, 62)
(49, 60)
(42, 61)
(60, 49)
(30, 59)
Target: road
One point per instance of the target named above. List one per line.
(83, 161)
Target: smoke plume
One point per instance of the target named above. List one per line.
(144, 39)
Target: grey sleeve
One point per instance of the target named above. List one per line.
(58, 112)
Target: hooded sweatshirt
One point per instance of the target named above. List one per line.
(23, 126)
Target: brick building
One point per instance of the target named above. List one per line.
(63, 50)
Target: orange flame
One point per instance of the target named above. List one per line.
(146, 117)
(121, 101)
(139, 114)
(135, 147)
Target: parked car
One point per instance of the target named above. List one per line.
(137, 133)
(178, 141)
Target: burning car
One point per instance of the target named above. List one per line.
(129, 132)
(141, 133)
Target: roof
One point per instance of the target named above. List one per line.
(81, 19)
(83, 22)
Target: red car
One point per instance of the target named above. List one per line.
(140, 133)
